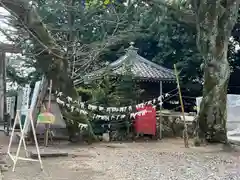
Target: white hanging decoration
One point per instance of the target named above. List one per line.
(82, 112)
(141, 105)
(72, 108)
(167, 95)
(115, 109)
(160, 98)
(129, 108)
(123, 116)
(149, 102)
(174, 102)
(82, 126)
(109, 109)
(69, 99)
(59, 94)
(59, 101)
(121, 109)
(133, 115)
(91, 107)
(107, 118)
(81, 105)
(101, 108)
(154, 101)
(68, 105)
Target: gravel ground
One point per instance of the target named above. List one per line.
(164, 160)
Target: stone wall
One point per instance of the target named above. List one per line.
(173, 125)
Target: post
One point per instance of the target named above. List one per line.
(47, 126)
(2, 86)
(185, 132)
(160, 86)
(160, 120)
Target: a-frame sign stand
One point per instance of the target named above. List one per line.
(23, 129)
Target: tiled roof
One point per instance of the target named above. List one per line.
(140, 67)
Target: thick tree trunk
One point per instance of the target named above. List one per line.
(215, 20)
(213, 112)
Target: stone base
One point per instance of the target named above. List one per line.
(48, 153)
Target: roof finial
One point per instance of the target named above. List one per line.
(131, 43)
(132, 50)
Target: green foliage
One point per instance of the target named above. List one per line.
(127, 90)
(112, 91)
(21, 70)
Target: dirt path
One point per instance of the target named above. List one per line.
(163, 160)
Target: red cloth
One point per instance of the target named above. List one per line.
(146, 123)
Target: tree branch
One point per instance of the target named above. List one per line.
(186, 16)
(55, 66)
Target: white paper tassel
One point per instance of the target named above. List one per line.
(115, 109)
(129, 108)
(69, 99)
(123, 116)
(160, 98)
(133, 115)
(82, 126)
(167, 95)
(108, 109)
(81, 105)
(154, 101)
(101, 108)
(59, 101)
(149, 102)
(59, 94)
(82, 112)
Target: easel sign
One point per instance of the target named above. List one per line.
(16, 157)
(46, 117)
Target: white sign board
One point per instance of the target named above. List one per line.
(233, 115)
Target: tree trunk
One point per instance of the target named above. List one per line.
(214, 22)
(213, 112)
(50, 57)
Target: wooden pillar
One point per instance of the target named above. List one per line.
(160, 86)
(160, 120)
(2, 86)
